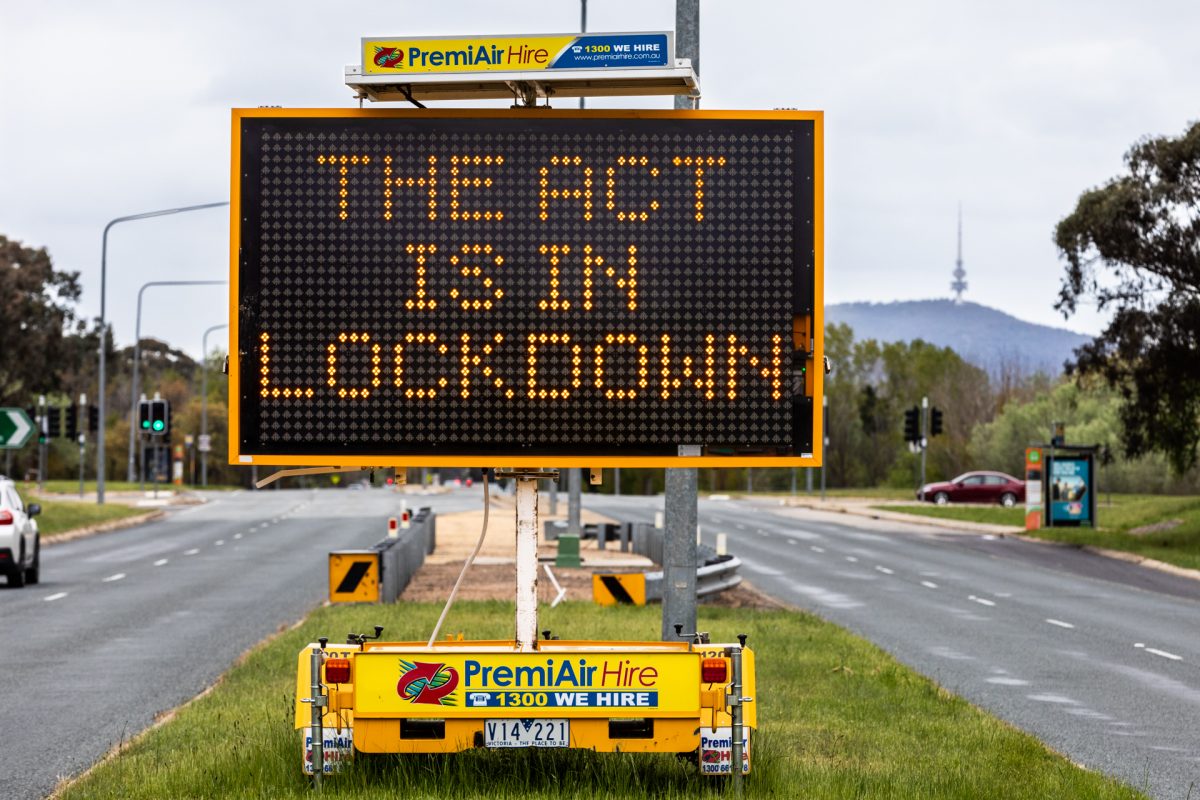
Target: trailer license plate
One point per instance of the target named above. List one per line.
(527, 733)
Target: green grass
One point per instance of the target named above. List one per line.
(838, 719)
(72, 487)
(872, 492)
(60, 516)
(1179, 546)
(996, 515)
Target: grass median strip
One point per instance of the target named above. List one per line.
(61, 516)
(1166, 528)
(838, 718)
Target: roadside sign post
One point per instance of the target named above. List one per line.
(1033, 488)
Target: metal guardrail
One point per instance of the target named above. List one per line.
(714, 573)
(400, 558)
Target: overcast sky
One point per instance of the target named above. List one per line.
(113, 108)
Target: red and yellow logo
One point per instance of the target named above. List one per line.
(392, 57)
(429, 684)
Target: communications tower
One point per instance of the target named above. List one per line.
(958, 285)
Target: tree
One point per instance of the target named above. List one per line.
(1133, 245)
(35, 312)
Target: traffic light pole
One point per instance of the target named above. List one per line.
(924, 442)
(43, 435)
(204, 403)
(137, 359)
(100, 401)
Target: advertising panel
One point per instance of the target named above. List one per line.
(528, 53)
(1070, 490)
(526, 685)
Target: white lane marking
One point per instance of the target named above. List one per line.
(112, 578)
(793, 541)
(1158, 652)
(816, 549)
(851, 559)
(160, 562)
(220, 542)
(950, 653)
(237, 536)
(1053, 698)
(53, 597)
(1002, 681)
(826, 597)
(983, 601)
(191, 552)
(1059, 623)
(929, 584)
(1089, 713)
(884, 570)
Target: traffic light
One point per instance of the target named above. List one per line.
(71, 423)
(935, 422)
(912, 425)
(93, 419)
(53, 422)
(144, 416)
(160, 417)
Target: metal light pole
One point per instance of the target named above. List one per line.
(104, 325)
(924, 442)
(681, 486)
(137, 360)
(204, 403)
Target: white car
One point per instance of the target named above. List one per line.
(20, 546)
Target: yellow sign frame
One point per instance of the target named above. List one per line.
(816, 372)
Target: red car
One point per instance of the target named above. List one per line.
(976, 487)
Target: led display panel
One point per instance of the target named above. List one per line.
(484, 288)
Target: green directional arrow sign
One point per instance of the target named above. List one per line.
(15, 428)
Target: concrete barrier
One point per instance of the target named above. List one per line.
(396, 559)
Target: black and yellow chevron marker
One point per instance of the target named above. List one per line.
(354, 576)
(621, 588)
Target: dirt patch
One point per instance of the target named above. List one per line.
(458, 533)
(1157, 527)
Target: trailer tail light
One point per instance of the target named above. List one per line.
(337, 670)
(6, 517)
(714, 670)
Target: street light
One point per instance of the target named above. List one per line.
(100, 403)
(204, 403)
(137, 360)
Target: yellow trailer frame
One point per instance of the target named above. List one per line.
(380, 718)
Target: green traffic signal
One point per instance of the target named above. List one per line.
(158, 425)
(145, 423)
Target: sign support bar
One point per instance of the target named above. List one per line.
(527, 556)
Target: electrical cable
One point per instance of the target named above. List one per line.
(487, 503)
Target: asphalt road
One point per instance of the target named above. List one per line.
(129, 624)
(1100, 659)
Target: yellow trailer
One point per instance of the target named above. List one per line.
(408, 697)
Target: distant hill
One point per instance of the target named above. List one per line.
(983, 336)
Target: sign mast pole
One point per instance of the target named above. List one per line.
(681, 485)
